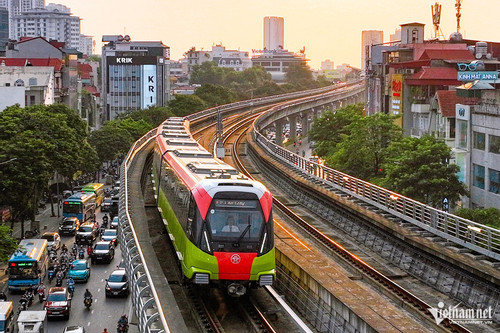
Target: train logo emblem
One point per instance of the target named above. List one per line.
(235, 259)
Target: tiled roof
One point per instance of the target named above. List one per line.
(42, 62)
(447, 55)
(447, 100)
(92, 90)
(434, 76)
(84, 67)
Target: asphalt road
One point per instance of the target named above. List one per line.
(105, 311)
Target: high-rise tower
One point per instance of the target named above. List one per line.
(368, 38)
(273, 33)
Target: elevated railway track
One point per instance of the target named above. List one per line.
(316, 176)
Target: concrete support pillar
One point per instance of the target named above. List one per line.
(279, 131)
(305, 124)
(293, 126)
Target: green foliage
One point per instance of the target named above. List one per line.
(42, 139)
(300, 74)
(328, 129)
(418, 168)
(183, 105)
(488, 216)
(214, 95)
(361, 151)
(209, 73)
(111, 141)
(154, 115)
(7, 244)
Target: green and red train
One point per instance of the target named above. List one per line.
(219, 221)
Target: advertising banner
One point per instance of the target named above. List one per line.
(148, 86)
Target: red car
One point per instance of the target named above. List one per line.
(58, 303)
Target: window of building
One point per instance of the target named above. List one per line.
(462, 134)
(32, 100)
(478, 176)
(494, 145)
(452, 128)
(494, 186)
(479, 140)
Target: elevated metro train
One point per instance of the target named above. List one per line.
(219, 221)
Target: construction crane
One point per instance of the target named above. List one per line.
(436, 20)
(458, 6)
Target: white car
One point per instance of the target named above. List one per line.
(53, 240)
(74, 329)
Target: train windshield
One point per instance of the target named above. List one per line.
(236, 221)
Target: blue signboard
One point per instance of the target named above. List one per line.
(473, 76)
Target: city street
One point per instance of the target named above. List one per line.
(104, 312)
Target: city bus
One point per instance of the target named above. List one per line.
(27, 266)
(80, 205)
(97, 189)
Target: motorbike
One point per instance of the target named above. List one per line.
(41, 295)
(23, 304)
(29, 297)
(122, 328)
(59, 281)
(81, 254)
(50, 274)
(87, 301)
(71, 288)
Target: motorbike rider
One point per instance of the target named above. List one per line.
(70, 282)
(64, 248)
(123, 321)
(87, 294)
(3, 297)
(41, 291)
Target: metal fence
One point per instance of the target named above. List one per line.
(144, 297)
(466, 233)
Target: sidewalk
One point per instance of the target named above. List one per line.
(47, 223)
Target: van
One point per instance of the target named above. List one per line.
(6, 317)
(32, 322)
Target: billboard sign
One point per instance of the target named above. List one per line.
(148, 86)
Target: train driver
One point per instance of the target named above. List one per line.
(230, 227)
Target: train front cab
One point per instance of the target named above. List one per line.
(242, 250)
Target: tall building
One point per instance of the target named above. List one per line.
(396, 36)
(368, 38)
(327, 65)
(16, 7)
(134, 75)
(53, 22)
(87, 45)
(274, 33)
(4, 27)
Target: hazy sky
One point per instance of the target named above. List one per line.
(329, 29)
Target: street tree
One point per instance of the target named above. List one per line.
(486, 216)
(215, 95)
(7, 243)
(419, 168)
(360, 152)
(154, 115)
(328, 129)
(183, 105)
(300, 75)
(110, 142)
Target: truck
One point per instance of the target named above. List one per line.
(6, 317)
(32, 321)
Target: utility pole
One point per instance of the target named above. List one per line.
(220, 153)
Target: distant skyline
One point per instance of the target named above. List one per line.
(329, 29)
